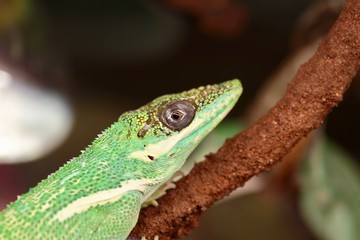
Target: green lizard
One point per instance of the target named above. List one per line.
(98, 195)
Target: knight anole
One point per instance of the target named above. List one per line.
(98, 195)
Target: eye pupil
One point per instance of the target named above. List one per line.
(175, 116)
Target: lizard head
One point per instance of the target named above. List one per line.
(171, 126)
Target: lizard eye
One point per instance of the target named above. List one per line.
(178, 115)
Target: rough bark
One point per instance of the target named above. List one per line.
(317, 88)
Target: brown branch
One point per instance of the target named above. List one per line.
(318, 87)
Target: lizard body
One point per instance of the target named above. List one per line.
(98, 195)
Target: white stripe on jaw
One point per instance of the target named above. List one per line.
(160, 148)
(100, 198)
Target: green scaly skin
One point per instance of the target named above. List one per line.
(98, 195)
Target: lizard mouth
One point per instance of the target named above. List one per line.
(216, 116)
(203, 123)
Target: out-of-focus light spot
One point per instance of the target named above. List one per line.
(33, 120)
(5, 79)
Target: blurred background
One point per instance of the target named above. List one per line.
(68, 69)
